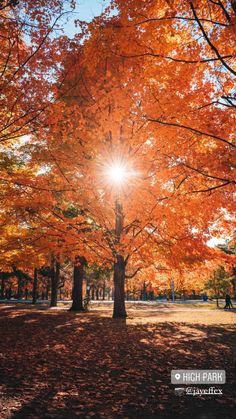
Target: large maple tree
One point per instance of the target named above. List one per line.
(153, 114)
(145, 90)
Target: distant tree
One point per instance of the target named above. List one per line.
(98, 281)
(4, 276)
(218, 283)
(230, 248)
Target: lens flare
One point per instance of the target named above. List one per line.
(117, 173)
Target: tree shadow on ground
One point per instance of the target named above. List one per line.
(67, 365)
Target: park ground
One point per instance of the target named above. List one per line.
(59, 364)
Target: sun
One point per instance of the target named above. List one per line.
(117, 173)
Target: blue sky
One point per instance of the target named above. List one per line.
(85, 10)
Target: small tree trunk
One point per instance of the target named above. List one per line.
(54, 282)
(119, 288)
(35, 285)
(19, 286)
(77, 292)
(217, 302)
(47, 290)
(2, 287)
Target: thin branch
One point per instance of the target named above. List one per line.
(180, 18)
(219, 3)
(34, 187)
(174, 124)
(207, 175)
(210, 43)
(178, 60)
(29, 58)
(211, 189)
(133, 275)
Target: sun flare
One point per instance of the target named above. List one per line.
(117, 173)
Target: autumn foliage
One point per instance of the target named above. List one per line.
(148, 86)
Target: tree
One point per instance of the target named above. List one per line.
(29, 60)
(30, 56)
(98, 281)
(113, 109)
(35, 286)
(218, 284)
(4, 276)
(151, 102)
(77, 291)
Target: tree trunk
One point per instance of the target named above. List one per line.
(119, 288)
(35, 285)
(54, 282)
(2, 287)
(19, 285)
(47, 290)
(77, 292)
(217, 302)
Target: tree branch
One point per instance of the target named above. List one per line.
(207, 175)
(213, 188)
(210, 43)
(180, 18)
(174, 124)
(132, 275)
(178, 60)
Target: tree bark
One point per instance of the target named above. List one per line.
(35, 286)
(119, 268)
(104, 291)
(119, 288)
(2, 287)
(47, 290)
(19, 285)
(77, 292)
(55, 273)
